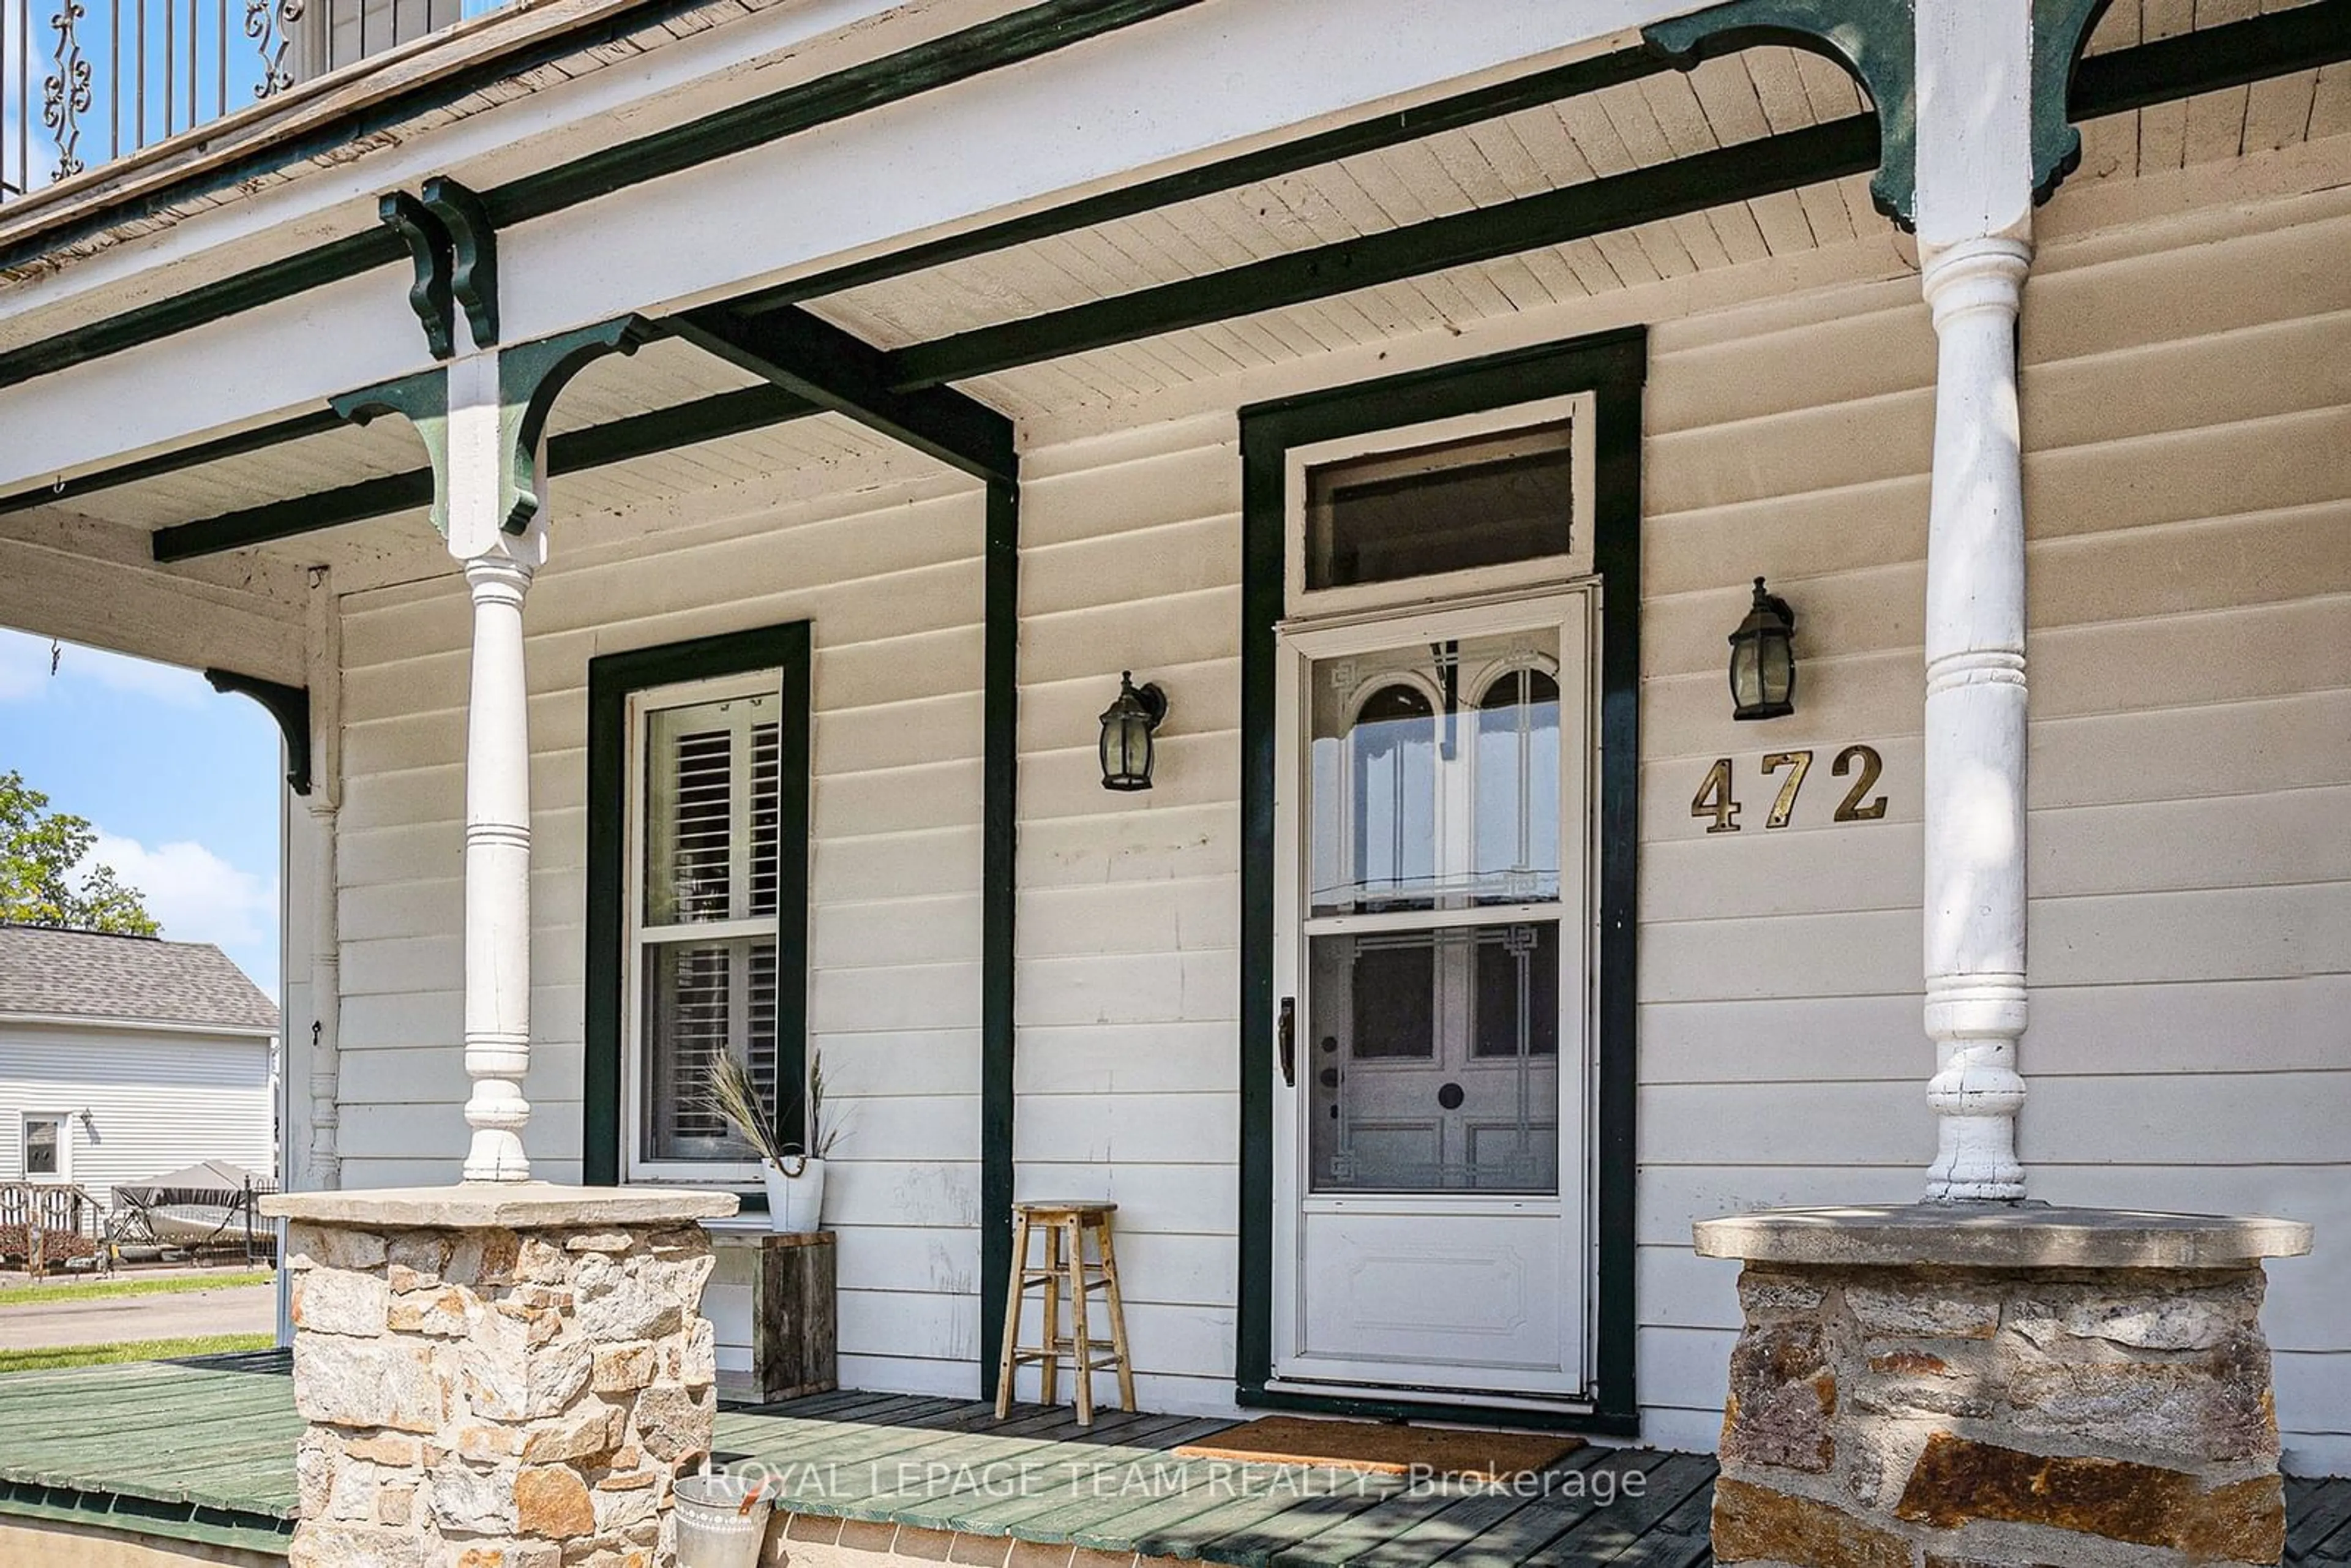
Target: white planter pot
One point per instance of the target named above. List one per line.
(795, 1203)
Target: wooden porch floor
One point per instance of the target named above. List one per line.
(204, 1450)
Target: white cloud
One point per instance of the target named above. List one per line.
(25, 672)
(197, 895)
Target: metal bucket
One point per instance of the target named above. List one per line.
(721, 1519)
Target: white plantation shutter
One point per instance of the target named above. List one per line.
(706, 936)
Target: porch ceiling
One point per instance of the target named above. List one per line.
(1644, 124)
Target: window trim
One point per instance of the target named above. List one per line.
(1576, 410)
(614, 682)
(643, 702)
(63, 1175)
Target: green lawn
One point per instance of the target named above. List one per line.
(32, 1295)
(134, 1350)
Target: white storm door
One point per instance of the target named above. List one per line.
(1434, 934)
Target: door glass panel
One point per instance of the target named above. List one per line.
(1434, 1064)
(1516, 766)
(1447, 506)
(1435, 776)
(1518, 990)
(1394, 997)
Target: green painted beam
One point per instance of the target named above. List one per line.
(295, 274)
(2300, 39)
(639, 436)
(2107, 84)
(2233, 55)
(260, 438)
(1393, 128)
(1024, 34)
(1484, 234)
(1000, 905)
(813, 358)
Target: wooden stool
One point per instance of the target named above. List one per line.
(1063, 1223)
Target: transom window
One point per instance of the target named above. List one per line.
(1447, 509)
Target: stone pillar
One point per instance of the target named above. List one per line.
(497, 1376)
(1936, 1387)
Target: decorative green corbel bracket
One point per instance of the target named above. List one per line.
(530, 375)
(1874, 40)
(2060, 30)
(423, 400)
(473, 253)
(429, 252)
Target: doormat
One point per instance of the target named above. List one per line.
(1385, 1448)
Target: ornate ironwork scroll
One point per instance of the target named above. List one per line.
(66, 96)
(270, 24)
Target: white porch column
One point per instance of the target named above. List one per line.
(1975, 219)
(325, 998)
(498, 568)
(323, 662)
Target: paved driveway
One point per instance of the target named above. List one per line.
(239, 1308)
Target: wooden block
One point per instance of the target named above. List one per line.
(794, 1315)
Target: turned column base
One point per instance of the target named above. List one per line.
(1981, 1386)
(509, 1374)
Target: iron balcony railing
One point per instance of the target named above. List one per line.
(84, 81)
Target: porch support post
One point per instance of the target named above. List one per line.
(498, 568)
(1975, 220)
(325, 1001)
(323, 652)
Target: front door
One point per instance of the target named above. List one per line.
(1434, 934)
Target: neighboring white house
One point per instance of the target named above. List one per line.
(124, 1057)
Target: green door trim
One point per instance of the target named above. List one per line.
(1612, 366)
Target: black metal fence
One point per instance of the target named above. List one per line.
(85, 81)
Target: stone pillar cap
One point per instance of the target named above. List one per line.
(511, 1206)
(1999, 1236)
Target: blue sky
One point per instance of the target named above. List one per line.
(182, 783)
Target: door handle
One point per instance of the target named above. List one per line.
(1286, 1038)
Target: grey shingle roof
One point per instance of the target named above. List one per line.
(86, 973)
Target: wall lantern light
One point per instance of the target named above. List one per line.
(1763, 659)
(1126, 727)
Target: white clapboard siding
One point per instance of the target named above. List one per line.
(157, 1100)
(1128, 922)
(892, 582)
(2188, 494)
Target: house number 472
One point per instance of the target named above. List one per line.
(1715, 797)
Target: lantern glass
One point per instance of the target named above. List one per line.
(1126, 745)
(1763, 660)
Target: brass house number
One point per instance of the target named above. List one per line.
(1715, 797)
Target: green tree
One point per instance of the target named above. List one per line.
(38, 851)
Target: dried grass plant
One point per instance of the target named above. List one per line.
(735, 1094)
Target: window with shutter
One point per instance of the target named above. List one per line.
(705, 965)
